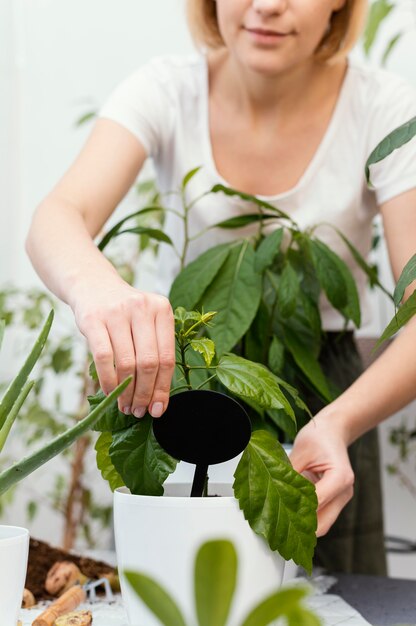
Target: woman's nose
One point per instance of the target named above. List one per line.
(268, 7)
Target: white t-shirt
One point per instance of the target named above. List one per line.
(165, 105)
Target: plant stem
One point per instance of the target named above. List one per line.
(206, 381)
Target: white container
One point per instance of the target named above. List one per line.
(14, 550)
(160, 536)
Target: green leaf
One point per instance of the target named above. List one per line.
(92, 371)
(268, 250)
(112, 419)
(379, 10)
(403, 315)
(104, 464)
(352, 310)
(14, 411)
(189, 176)
(278, 503)
(390, 47)
(228, 191)
(282, 421)
(287, 291)
(20, 379)
(2, 327)
(303, 616)
(140, 461)
(215, 581)
(157, 599)
(23, 468)
(235, 293)
(279, 604)
(153, 233)
(87, 117)
(61, 360)
(369, 270)
(243, 220)
(307, 363)
(114, 231)
(204, 346)
(407, 276)
(276, 356)
(190, 284)
(393, 141)
(331, 278)
(252, 381)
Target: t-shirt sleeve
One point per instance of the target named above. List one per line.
(144, 104)
(395, 105)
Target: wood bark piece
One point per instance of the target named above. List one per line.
(62, 576)
(77, 618)
(65, 604)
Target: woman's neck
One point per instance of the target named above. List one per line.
(296, 90)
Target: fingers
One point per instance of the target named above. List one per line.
(102, 353)
(119, 329)
(328, 513)
(154, 339)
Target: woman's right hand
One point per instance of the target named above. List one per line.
(129, 332)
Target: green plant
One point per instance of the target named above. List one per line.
(215, 579)
(267, 334)
(12, 402)
(395, 140)
(380, 11)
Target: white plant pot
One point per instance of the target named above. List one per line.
(14, 550)
(159, 536)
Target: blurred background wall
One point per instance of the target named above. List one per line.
(60, 59)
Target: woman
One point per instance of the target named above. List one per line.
(275, 109)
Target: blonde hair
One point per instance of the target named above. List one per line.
(345, 28)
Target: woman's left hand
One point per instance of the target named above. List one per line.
(320, 454)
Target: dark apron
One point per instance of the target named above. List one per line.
(355, 542)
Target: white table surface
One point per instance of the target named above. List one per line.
(331, 609)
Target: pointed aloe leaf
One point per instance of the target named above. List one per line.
(393, 141)
(140, 461)
(279, 604)
(206, 347)
(303, 616)
(228, 191)
(19, 381)
(215, 581)
(112, 419)
(243, 220)
(157, 599)
(278, 503)
(189, 176)
(23, 468)
(307, 363)
(235, 293)
(329, 274)
(407, 276)
(403, 315)
(252, 381)
(379, 10)
(2, 327)
(5, 430)
(116, 228)
(104, 464)
(190, 284)
(268, 249)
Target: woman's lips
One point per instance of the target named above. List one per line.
(264, 36)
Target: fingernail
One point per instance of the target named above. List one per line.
(127, 410)
(140, 411)
(157, 409)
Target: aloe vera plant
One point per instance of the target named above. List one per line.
(215, 580)
(12, 401)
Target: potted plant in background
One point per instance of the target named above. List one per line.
(265, 291)
(14, 541)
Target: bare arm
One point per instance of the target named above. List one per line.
(115, 318)
(384, 388)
